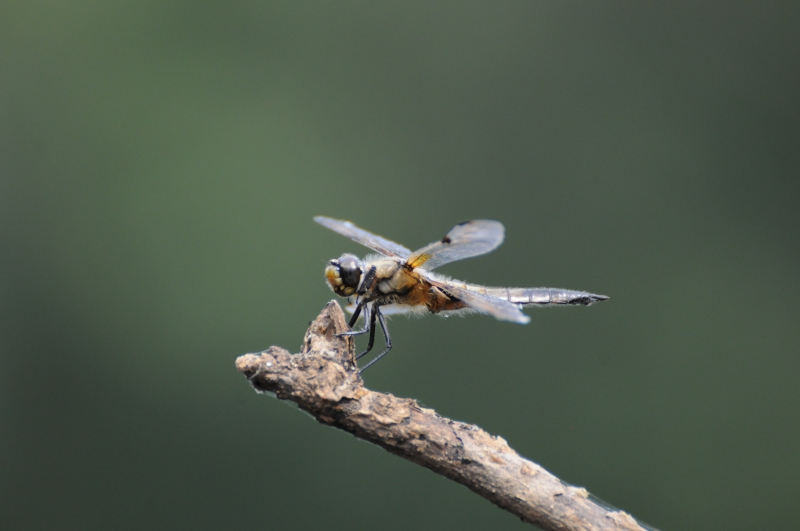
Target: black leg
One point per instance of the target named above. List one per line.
(366, 283)
(375, 312)
(382, 321)
(355, 317)
(369, 320)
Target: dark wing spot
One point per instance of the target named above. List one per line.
(446, 239)
(463, 223)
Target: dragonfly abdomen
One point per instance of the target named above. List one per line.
(544, 296)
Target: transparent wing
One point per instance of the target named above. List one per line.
(483, 303)
(394, 309)
(467, 239)
(367, 239)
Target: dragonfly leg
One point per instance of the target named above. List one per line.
(375, 312)
(382, 321)
(355, 316)
(366, 282)
(353, 321)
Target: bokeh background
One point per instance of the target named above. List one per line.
(160, 165)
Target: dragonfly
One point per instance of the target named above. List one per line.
(399, 281)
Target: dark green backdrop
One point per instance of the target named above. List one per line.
(160, 166)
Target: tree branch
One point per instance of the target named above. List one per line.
(323, 380)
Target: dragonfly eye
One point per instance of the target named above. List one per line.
(350, 270)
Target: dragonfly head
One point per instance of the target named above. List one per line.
(344, 274)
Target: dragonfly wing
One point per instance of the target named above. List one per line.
(394, 309)
(465, 240)
(483, 303)
(365, 238)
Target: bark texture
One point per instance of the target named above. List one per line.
(323, 379)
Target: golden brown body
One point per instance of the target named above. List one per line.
(397, 283)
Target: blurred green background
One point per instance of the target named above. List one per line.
(160, 166)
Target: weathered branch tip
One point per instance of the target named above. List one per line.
(323, 379)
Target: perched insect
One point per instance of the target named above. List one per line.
(399, 281)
